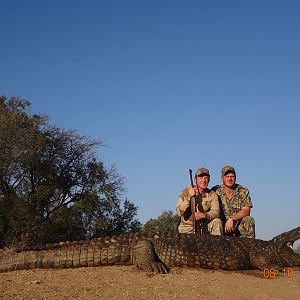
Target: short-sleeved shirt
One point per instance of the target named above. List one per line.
(240, 199)
(210, 204)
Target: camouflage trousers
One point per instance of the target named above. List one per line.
(246, 227)
(214, 227)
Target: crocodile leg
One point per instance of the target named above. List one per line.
(145, 258)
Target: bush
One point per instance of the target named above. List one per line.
(166, 222)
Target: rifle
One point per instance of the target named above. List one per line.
(196, 203)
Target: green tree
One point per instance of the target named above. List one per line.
(52, 185)
(166, 222)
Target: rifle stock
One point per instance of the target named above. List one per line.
(196, 201)
(193, 203)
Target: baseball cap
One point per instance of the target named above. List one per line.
(228, 169)
(202, 171)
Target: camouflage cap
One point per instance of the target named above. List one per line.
(202, 171)
(228, 169)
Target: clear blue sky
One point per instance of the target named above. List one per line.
(168, 86)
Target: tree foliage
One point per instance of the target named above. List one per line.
(166, 222)
(52, 185)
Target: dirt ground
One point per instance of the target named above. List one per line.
(123, 282)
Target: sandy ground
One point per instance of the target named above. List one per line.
(123, 282)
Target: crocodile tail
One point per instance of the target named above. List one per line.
(98, 252)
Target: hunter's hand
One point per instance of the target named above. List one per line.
(192, 191)
(229, 225)
(199, 215)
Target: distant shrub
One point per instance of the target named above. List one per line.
(167, 221)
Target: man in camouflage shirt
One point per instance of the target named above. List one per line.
(210, 203)
(236, 205)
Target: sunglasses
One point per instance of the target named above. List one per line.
(202, 175)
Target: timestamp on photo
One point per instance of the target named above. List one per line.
(271, 273)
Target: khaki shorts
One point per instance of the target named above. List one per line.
(185, 228)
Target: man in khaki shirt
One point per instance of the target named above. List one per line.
(210, 203)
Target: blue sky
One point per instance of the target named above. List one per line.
(168, 86)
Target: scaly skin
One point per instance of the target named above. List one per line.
(159, 252)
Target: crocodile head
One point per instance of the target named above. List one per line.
(284, 243)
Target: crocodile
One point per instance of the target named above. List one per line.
(159, 252)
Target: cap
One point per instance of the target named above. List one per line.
(202, 171)
(228, 169)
